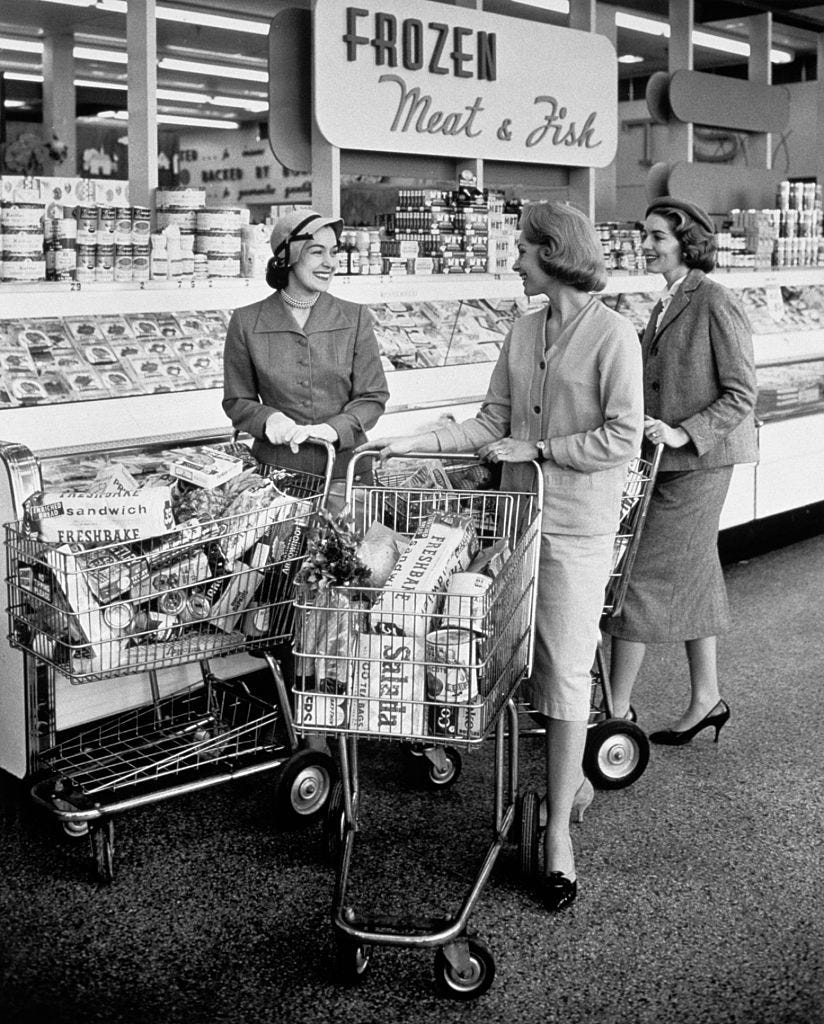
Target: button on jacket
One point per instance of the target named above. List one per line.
(699, 374)
(329, 371)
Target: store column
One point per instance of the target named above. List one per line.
(760, 71)
(141, 42)
(819, 148)
(582, 16)
(59, 103)
(682, 19)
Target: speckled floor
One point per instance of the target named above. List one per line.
(701, 894)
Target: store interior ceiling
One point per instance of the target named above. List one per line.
(212, 55)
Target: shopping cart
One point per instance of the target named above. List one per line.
(210, 589)
(617, 749)
(427, 672)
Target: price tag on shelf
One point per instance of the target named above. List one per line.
(775, 302)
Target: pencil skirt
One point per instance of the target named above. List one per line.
(572, 579)
(676, 588)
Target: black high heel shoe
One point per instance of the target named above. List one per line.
(558, 891)
(677, 738)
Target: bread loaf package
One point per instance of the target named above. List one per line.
(443, 544)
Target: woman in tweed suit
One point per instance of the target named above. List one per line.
(699, 394)
(566, 390)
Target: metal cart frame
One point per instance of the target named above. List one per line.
(464, 967)
(202, 734)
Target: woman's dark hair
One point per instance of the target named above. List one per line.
(277, 274)
(697, 244)
(570, 250)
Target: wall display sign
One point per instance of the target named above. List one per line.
(421, 77)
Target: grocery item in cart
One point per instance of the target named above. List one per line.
(389, 679)
(61, 517)
(451, 665)
(205, 466)
(443, 544)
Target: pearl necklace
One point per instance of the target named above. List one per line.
(299, 303)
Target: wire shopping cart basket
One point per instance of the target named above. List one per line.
(416, 664)
(210, 588)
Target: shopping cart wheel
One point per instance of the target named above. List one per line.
(101, 836)
(616, 753)
(303, 787)
(334, 823)
(441, 767)
(528, 832)
(75, 829)
(351, 961)
(469, 983)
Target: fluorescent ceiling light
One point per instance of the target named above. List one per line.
(91, 83)
(213, 70)
(630, 58)
(707, 40)
(558, 6)
(14, 103)
(238, 102)
(71, 3)
(195, 122)
(188, 122)
(19, 76)
(21, 45)
(178, 14)
(260, 28)
(104, 56)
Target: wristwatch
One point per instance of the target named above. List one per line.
(542, 447)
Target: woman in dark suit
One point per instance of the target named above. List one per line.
(302, 364)
(699, 395)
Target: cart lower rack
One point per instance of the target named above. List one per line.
(407, 664)
(214, 587)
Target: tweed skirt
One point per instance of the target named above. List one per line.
(572, 577)
(676, 588)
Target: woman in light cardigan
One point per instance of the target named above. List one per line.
(566, 390)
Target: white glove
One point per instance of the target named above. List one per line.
(315, 431)
(279, 428)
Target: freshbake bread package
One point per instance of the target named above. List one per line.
(443, 544)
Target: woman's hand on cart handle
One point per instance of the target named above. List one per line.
(279, 428)
(508, 449)
(313, 432)
(389, 446)
(661, 433)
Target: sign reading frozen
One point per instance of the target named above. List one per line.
(422, 77)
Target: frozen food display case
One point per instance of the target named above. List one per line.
(86, 369)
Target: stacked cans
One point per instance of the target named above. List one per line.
(60, 231)
(86, 243)
(218, 237)
(22, 257)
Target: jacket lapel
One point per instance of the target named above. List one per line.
(679, 303)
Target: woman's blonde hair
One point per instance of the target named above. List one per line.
(570, 250)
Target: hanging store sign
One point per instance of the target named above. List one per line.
(421, 77)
